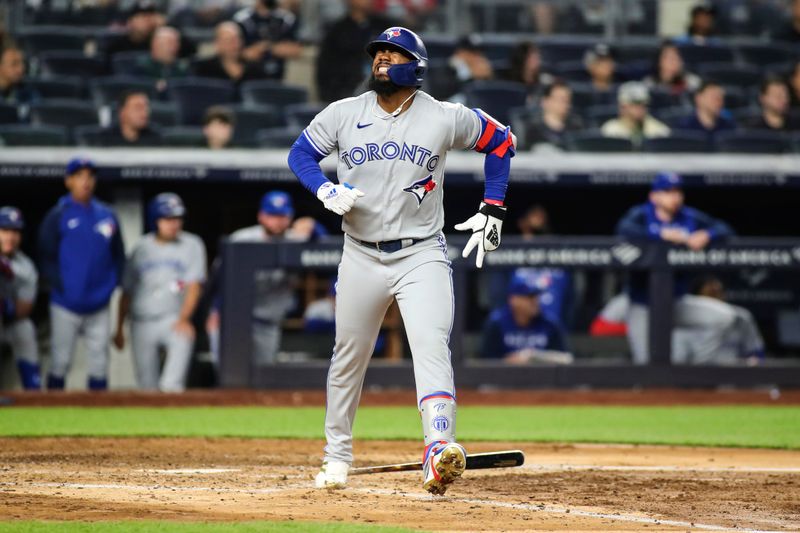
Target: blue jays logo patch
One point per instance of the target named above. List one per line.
(392, 32)
(421, 188)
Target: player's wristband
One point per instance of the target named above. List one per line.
(493, 202)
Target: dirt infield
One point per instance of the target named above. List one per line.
(561, 488)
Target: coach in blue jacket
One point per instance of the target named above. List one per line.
(666, 219)
(82, 257)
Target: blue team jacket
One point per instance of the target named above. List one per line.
(502, 336)
(81, 254)
(640, 223)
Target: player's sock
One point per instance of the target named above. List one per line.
(97, 383)
(30, 375)
(438, 413)
(55, 382)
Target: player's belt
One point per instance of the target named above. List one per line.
(389, 246)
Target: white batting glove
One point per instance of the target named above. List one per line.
(337, 197)
(485, 226)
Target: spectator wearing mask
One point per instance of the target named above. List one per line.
(669, 72)
(774, 100)
(218, 127)
(13, 89)
(341, 64)
(270, 36)
(133, 126)
(228, 63)
(709, 116)
(555, 122)
(634, 122)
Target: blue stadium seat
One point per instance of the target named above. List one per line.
(106, 90)
(9, 114)
(555, 52)
(194, 95)
(594, 141)
(277, 137)
(662, 99)
(251, 119)
(737, 98)
(300, 115)
(183, 137)
(126, 63)
(731, 74)
(679, 142)
(58, 87)
(36, 40)
(26, 135)
(71, 64)
(597, 115)
(496, 97)
(639, 52)
(766, 55)
(573, 71)
(753, 142)
(164, 114)
(92, 135)
(270, 92)
(584, 96)
(439, 47)
(695, 54)
(63, 112)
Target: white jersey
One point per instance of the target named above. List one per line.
(157, 273)
(398, 162)
(25, 281)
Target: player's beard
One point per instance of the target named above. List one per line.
(383, 87)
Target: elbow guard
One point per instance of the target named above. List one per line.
(495, 138)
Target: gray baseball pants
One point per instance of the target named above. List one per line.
(20, 335)
(65, 326)
(147, 337)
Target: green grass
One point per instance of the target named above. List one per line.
(741, 426)
(189, 527)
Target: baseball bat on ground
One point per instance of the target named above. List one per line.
(475, 461)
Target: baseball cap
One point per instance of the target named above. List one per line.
(142, 6)
(633, 92)
(77, 163)
(665, 181)
(11, 218)
(598, 51)
(521, 285)
(277, 203)
(704, 7)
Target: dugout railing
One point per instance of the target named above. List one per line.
(242, 260)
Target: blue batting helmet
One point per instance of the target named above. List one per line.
(410, 74)
(165, 205)
(11, 218)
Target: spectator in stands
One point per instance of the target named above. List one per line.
(794, 86)
(665, 218)
(702, 25)
(519, 332)
(556, 121)
(774, 99)
(469, 62)
(341, 64)
(411, 13)
(143, 19)
(600, 64)
(13, 89)
(203, 13)
(163, 63)
(534, 221)
(709, 116)
(82, 257)
(669, 72)
(270, 36)
(228, 63)
(790, 32)
(526, 67)
(218, 127)
(133, 126)
(634, 122)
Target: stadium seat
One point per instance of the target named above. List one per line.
(164, 114)
(584, 96)
(440, 80)
(9, 114)
(693, 55)
(58, 87)
(194, 95)
(277, 137)
(496, 97)
(63, 112)
(730, 74)
(519, 118)
(126, 63)
(639, 52)
(300, 115)
(672, 115)
(573, 71)
(89, 135)
(679, 142)
(439, 48)
(555, 52)
(594, 141)
(269, 92)
(766, 55)
(106, 90)
(251, 119)
(597, 115)
(753, 142)
(36, 40)
(183, 137)
(71, 64)
(737, 97)
(662, 99)
(26, 135)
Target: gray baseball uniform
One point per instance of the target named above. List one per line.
(156, 277)
(21, 334)
(398, 162)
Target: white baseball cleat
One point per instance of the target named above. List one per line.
(332, 475)
(444, 464)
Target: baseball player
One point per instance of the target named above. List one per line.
(391, 144)
(520, 331)
(273, 291)
(82, 257)
(161, 288)
(18, 283)
(666, 219)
